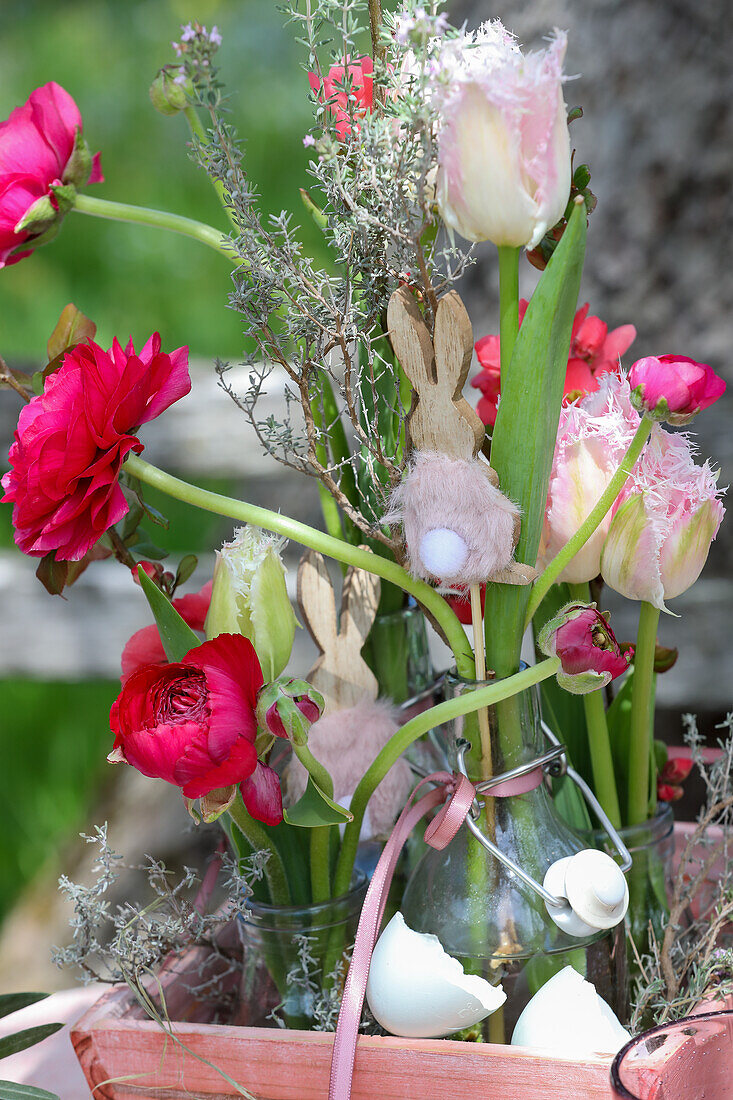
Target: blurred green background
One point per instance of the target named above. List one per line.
(131, 281)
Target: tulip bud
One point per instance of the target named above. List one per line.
(499, 178)
(288, 708)
(250, 597)
(673, 387)
(590, 656)
(663, 523)
(170, 91)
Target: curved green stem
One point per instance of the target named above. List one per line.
(595, 516)
(601, 758)
(641, 726)
(320, 838)
(160, 219)
(198, 132)
(416, 727)
(319, 774)
(508, 304)
(316, 540)
(256, 835)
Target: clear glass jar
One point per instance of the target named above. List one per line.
(398, 654)
(479, 910)
(296, 959)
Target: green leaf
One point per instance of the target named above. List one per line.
(20, 1040)
(10, 1091)
(13, 1002)
(175, 634)
(315, 809)
(523, 441)
(186, 567)
(71, 328)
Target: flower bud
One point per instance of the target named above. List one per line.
(250, 597)
(501, 179)
(170, 91)
(673, 387)
(288, 708)
(590, 656)
(663, 523)
(671, 776)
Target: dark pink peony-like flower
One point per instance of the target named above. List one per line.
(590, 656)
(594, 351)
(71, 441)
(673, 387)
(145, 646)
(334, 93)
(43, 160)
(193, 724)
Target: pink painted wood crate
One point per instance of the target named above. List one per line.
(115, 1040)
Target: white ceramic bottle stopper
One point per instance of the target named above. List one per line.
(595, 890)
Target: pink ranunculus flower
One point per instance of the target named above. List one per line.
(43, 161)
(673, 387)
(193, 724)
(594, 351)
(145, 646)
(592, 438)
(72, 439)
(664, 521)
(590, 656)
(345, 107)
(504, 150)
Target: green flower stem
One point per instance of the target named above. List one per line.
(601, 758)
(320, 838)
(642, 719)
(595, 516)
(200, 134)
(444, 712)
(508, 304)
(256, 834)
(316, 540)
(161, 219)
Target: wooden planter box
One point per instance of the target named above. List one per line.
(115, 1040)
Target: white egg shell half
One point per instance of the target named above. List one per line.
(418, 991)
(567, 1018)
(443, 552)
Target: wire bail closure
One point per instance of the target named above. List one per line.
(554, 762)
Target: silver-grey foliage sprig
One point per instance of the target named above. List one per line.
(323, 329)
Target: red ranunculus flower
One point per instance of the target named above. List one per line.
(590, 656)
(671, 778)
(593, 352)
(145, 646)
(334, 94)
(673, 387)
(71, 441)
(41, 149)
(193, 724)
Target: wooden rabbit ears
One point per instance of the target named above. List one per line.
(440, 419)
(340, 673)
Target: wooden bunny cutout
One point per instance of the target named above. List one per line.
(340, 673)
(459, 527)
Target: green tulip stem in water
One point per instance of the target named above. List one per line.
(444, 712)
(334, 548)
(642, 715)
(595, 517)
(599, 744)
(257, 837)
(160, 219)
(320, 839)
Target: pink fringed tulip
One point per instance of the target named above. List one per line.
(594, 351)
(592, 438)
(504, 155)
(673, 387)
(663, 523)
(72, 439)
(43, 161)
(590, 656)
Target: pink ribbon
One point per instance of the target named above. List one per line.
(456, 794)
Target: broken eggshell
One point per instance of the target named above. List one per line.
(567, 1018)
(418, 991)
